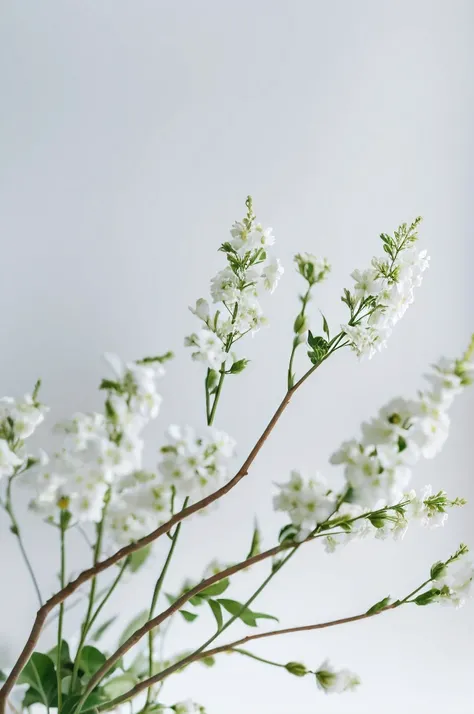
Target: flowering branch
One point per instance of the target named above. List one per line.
(99, 567)
(383, 605)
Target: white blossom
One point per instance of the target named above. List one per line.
(8, 459)
(307, 502)
(272, 272)
(208, 348)
(188, 707)
(196, 463)
(365, 341)
(27, 414)
(456, 582)
(332, 681)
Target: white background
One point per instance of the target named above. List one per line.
(131, 133)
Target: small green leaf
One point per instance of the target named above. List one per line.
(211, 380)
(325, 326)
(238, 366)
(208, 661)
(255, 544)
(217, 612)
(93, 700)
(381, 605)
(110, 385)
(134, 625)
(157, 359)
(3, 676)
(91, 660)
(40, 674)
(288, 533)
(236, 609)
(95, 637)
(437, 570)
(188, 616)
(119, 685)
(139, 557)
(65, 656)
(216, 589)
(427, 597)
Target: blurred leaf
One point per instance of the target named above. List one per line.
(188, 616)
(217, 612)
(134, 625)
(91, 660)
(102, 628)
(139, 557)
(39, 672)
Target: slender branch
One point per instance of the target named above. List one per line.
(90, 573)
(296, 342)
(230, 339)
(15, 529)
(259, 659)
(61, 614)
(156, 593)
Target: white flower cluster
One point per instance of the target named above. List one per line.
(18, 420)
(378, 467)
(313, 269)
(455, 581)
(382, 293)
(187, 707)
(307, 502)
(100, 451)
(427, 509)
(237, 289)
(332, 681)
(195, 464)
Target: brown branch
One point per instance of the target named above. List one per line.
(182, 600)
(195, 657)
(90, 573)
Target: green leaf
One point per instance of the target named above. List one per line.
(255, 545)
(216, 589)
(137, 558)
(94, 699)
(208, 661)
(437, 570)
(32, 696)
(40, 674)
(134, 625)
(188, 616)
(65, 656)
(217, 612)
(3, 676)
(110, 385)
(238, 366)
(95, 637)
(427, 597)
(236, 609)
(157, 359)
(91, 660)
(319, 348)
(288, 533)
(119, 685)
(381, 605)
(325, 326)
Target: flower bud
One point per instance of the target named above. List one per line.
(296, 668)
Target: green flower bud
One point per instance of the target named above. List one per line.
(296, 668)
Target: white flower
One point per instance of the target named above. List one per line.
(272, 272)
(201, 310)
(138, 510)
(365, 341)
(307, 502)
(209, 348)
(367, 282)
(225, 287)
(196, 463)
(27, 415)
(8, 459)
(188, 707)
(138, 380)
(427, 508)
(455, 583)
(331, 681)
(391, 424)
(313, 269)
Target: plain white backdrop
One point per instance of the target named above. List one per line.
(131, 133)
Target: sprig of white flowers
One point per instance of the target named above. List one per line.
(97, 478)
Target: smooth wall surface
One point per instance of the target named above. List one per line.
(131, 133)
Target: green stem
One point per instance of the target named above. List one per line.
(296, 343)
(154, 600)
(15, 529)
(92, 593)
(61, 613)
(254, 656)
(230, 339)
